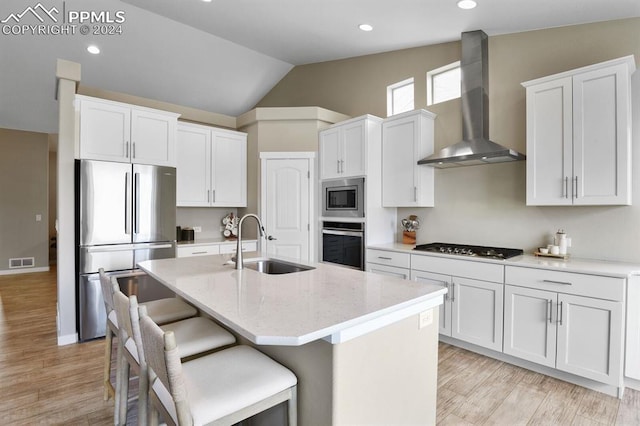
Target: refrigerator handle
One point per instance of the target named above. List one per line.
(127, 205)
(136, 213)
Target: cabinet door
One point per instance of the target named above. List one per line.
(406, 140)
(330, 155)
(602, 136)
(477, 312)
(229, 169)
(189, 250)
(153, 138)
(549, 143)
(104, 131)
(590, 338)
(445, 309)
(353, 149)
(193, 165)
(529, 324)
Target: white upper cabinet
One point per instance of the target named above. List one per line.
(407, 138)
(343, 147)
(211, 167)
(579, 136)
(114, 131)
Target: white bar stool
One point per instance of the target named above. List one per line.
(162, 310)
(221, 388)
(197, 335)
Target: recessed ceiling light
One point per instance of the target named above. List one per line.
(467, 4)
(365, 27)
(207, 1)
(93, 49)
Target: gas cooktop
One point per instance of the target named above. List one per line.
(475, 251)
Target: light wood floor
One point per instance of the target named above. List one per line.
(42, 383)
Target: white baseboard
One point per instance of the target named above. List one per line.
(23, 270)
(69, 339)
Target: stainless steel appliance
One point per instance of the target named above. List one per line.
(475, 147)
(125, 213)
(473, 251)
(343, 197)
(343, 244)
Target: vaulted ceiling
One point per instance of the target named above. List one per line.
(223, 56)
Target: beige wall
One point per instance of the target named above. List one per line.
(486, 204)
(24, 193)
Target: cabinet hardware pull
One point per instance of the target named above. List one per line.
(337, 166)
(341, 166)
(575, 194)
(550, 310)
(213, 196)
(556, 282)
(384, 258)
(566, 187)
(415, 193)
(561, 314)
(133, 150)
(453, 292)
(198, 252)
(208, 200)
(126, 149)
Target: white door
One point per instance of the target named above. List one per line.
(529, 324)
(477, 308)
(549, 143)
(286, 207)
(601, 156)
(589, 340)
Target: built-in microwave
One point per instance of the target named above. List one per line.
(343, 197)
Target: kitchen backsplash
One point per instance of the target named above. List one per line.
(207, 218)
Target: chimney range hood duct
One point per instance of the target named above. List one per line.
(475, 148)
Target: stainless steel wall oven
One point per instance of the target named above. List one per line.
(343, 244)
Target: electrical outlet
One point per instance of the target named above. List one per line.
(38, 217)
(426, 318)
(197, 229)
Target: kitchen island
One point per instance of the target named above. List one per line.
(363, 346)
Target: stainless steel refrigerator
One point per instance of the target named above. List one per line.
(125, 213)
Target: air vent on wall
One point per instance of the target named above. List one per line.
(22, 262)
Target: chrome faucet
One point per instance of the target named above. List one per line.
(239, 260)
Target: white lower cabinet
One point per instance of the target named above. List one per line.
(570, 332)
(187, 250)
(472, 310)
(445, 308)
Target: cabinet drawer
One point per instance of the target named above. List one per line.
(391, 271)
(198, 250)
(231, 248)
(390, 258)
(566, 282)
(459, 268)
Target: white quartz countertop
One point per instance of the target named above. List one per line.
(584, 266)
(329, 302)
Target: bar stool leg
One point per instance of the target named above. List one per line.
(108, 388)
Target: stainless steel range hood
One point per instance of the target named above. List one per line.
(475, 148)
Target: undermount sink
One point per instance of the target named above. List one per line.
(273, 266)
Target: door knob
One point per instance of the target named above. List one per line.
(271, 238)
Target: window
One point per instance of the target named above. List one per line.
(400, 97)
(443, 83)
